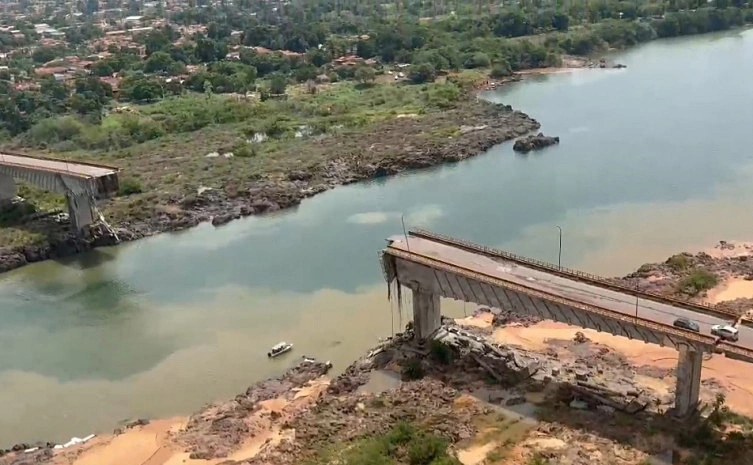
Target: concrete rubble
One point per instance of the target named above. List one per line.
(595, 378)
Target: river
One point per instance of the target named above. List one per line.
(654, 159)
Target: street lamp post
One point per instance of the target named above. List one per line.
(559, 255)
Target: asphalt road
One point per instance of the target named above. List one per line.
(567, 288)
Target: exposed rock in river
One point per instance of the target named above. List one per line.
(534, 142)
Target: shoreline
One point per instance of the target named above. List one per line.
(728, 261)
(570, 64)
(498, 124)
(483, 125)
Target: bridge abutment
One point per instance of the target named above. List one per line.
(427, 316)
(688, 387)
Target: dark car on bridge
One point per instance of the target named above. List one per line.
(686, 323)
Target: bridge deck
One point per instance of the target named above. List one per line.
(569, 288)
(83, 170)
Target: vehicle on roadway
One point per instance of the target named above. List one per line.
(687, 323)
(726, 332)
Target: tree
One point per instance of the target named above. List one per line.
(278, 84)
(501, 69)
(141, 88)
(45, 54)
(317, 57)
(101, 68)
(162, 62)
(477, 60)
(422, 72)
(208, 50)
(560, 21)
(305, 73)
(365, 74)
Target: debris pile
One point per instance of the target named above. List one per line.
(504, 365)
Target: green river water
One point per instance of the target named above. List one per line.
(653, 159)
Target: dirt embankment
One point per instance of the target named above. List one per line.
(385, 149)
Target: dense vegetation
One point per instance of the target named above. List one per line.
(433, 38)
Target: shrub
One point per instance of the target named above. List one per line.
(425, 450)
(698, 281)
(678, 262)
(500, 70)
(129, 186)
(441, 352)
(413, 370)
(244, 150)
(53, 130)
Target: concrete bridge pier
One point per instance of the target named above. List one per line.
(427, 316)
(81, 210)
(689, 367)
(7, 187)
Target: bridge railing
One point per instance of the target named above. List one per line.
(569, 272)
(438, 264)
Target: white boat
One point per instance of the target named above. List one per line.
(279, 349)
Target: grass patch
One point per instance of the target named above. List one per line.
(404, 444)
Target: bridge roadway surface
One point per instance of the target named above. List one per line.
(76, 169)
(572, 289)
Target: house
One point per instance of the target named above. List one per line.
(132, 20)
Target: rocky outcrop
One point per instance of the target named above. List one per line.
(534, 142)
(219, 428)
(666, 278)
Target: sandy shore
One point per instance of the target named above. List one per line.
(154, 444)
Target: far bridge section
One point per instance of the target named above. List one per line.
(81, 183)
(434, 266)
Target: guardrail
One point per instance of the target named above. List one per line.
(668, 330)
(571, 273)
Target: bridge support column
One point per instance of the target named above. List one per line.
(688, 386)
(7, 187)
(81, 211)
(427, 316)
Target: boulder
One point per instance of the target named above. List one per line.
(534, 142)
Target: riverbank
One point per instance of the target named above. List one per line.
(568, 64)
(528, 376)
(515, 392)
(200, 178)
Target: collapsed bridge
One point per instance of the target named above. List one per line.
(435, 266)
(81, 183)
